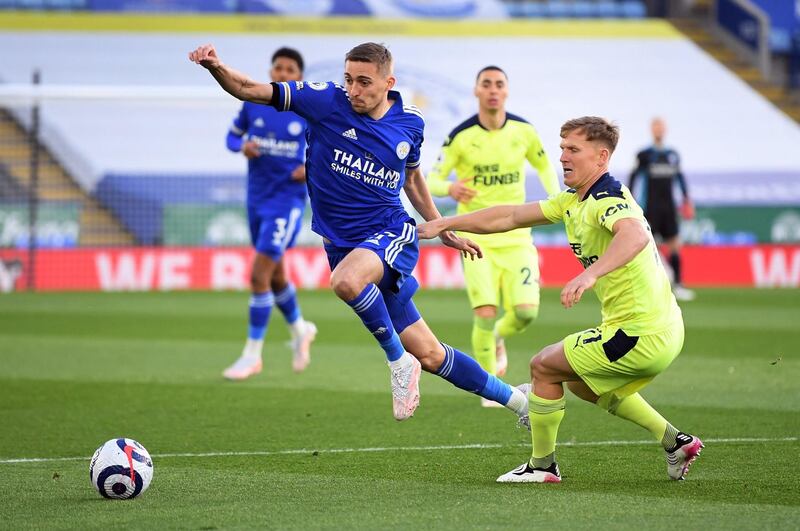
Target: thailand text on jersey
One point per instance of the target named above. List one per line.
(636, 296)
(356, 165)
(281, 142)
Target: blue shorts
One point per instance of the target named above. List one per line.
(397, 247)
(274, 227)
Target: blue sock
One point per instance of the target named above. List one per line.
(260, 308)
(286, 300)
(465, 373)
(371, 308)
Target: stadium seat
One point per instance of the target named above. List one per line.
(633, 9)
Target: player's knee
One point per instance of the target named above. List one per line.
(538, 369)
(259, 281)
(345, 285)
(525, 315)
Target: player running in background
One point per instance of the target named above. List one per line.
(364, 147)
(642, 328)
(488, 152)
(658, 167)
(274, 144)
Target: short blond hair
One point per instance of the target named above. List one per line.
(595, 128)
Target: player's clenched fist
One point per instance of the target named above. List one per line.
(205, 56)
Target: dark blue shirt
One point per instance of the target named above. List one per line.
(356, 166)
(282, 144)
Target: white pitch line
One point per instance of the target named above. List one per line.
(297, 451)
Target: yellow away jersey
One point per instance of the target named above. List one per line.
(635, 297)
(493, 164)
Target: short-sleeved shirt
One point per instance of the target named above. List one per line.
(492, 162)
(637, 296)
(281, 144)
(355, 165)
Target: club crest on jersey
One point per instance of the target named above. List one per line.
(402, 150)
(318, 85)
(295, 128)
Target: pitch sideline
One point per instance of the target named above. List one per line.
(300, 451)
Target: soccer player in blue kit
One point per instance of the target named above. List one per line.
(274, 144)
(363, 148)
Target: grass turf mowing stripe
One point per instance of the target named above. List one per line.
(296, 451)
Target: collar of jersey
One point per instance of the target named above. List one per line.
(599, 183)
(478, 121)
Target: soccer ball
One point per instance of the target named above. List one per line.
(121, 469)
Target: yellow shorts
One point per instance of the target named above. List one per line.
(608, 359)
(506, 274)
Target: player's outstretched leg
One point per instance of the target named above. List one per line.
(451, 364)
(302, 332)
(681, 448)
(354, 281)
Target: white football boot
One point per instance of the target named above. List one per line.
(243, 368)
(525, 473)
(683, 455)
(301, 347)
(404, 377)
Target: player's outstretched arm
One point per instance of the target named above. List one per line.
(630, 237)
(490, 220)
(234, 82)
(417, 191)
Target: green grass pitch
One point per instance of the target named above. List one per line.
(321, 449)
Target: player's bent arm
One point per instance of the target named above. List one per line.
(234, 82)
(240, 86)
(417, 191)
(630, 238)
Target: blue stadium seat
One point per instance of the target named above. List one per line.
(633, 9)
(607, 9)
(559, 9)
(584, 8)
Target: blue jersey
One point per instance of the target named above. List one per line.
(356, 166)
(281, 142)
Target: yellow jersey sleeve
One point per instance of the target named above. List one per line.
(438, 182)
(537, 156)
(610, 209)
(554, 206)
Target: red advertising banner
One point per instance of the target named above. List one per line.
(174, 268)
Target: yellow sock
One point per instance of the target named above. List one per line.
(515, 321)
(545, 416)
(483, 343)
(635, 409)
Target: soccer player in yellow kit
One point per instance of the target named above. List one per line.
(642, 328)
(488, 153)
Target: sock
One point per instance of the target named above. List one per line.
(515, 321)
(675, 264)
(635, 409)
(545, 418)
(483, 343)
(465, 373)
(371, 308)
(286, 300)
(260, 308)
